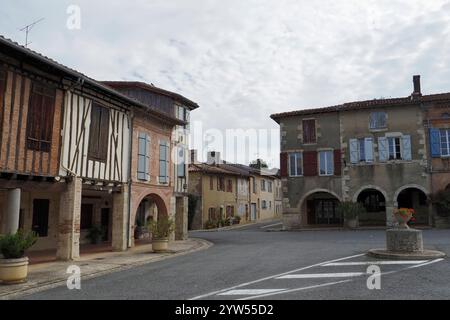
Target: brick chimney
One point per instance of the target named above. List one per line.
(417, 92)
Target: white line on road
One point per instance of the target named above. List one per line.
(323, 275)
(249, 292)
(294, 290)
(365, 263)
(274, 276)
(272, 225)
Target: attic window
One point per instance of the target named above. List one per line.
(445, 115)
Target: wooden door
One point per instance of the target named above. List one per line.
(40, 216)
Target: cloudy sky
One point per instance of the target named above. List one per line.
(242, 60)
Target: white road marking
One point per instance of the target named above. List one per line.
(294, 290)
(365, 263)
(274, 276)
(272, 225)
(249, 292)
(426, 263)
(323, 275)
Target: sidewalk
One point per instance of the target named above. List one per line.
(44, 276)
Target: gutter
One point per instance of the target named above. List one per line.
(130, 122)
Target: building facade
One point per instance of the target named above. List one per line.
(375, 152)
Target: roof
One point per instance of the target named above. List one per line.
(21, 52)
(145, 86)
(367, 104)
(215, 169)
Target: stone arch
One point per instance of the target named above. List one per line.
(306, 195)
(370, 186)
(151, 206)
(409, 186)
(319, 207)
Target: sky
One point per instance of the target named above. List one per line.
(243, 60)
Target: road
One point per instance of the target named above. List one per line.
(252, 263)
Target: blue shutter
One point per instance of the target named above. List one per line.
(383, 152)
(142, 151)
(435, 143)
(354, 158)
(406, 148)
(368, 148)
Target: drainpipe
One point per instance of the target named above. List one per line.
(130, 123)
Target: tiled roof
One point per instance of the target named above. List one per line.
(126, 84)
(367, 104)
(212, 168)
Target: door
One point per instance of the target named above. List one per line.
(325, 212)
(105, 223)
(311, 212)
(253, 211)
(40, 216)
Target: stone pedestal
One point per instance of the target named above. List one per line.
(404, 240)
(11, 224)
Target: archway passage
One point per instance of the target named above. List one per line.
(150, 208)
(416, 199)
(320, 208)
(375, 204)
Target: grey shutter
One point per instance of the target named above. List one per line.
(368, 148)
(142, 152)
(147, 157)
(354, 158)
(406, 147)
(383, 151)
(181, 162)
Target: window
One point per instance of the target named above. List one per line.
(264, 204)
(326, 163)
(295, 164)
(212, 214)
(445, 142)
(309, 131)
(181, 165)
(378, 120)
(98, 133)
(163, 162)
(394, 148)
(229, 185)
(263, 185)
(87, 211)
(269, 186)
(361, 150)
(40, 118)
(270, 204)
(143, 157)
(254, 184)
(220, 184)
(230, 211)
(211, 183)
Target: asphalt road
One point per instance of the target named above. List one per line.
(252, 263)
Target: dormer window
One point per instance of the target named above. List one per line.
(378, 120)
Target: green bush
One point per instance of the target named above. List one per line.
(442, 202)
(350, 210)
(13, 246)
(162, 228)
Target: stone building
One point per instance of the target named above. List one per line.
(375, 152)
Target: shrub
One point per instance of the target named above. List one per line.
(95, 234)
(162, 228)
(442, 201)
(13, 246)
(350, 210)
(210, 224)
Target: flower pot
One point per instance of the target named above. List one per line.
(402, 220)
(13, 271)
(160, 245)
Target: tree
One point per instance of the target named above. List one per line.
(258, 164)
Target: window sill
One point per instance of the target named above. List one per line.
(378, 129)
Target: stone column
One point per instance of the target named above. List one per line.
(120, 220)
(390, 221)
(181, 218)
(68, 246)
(12, 213)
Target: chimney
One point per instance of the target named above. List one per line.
(416, 93)
(214, 157)
(194, 158)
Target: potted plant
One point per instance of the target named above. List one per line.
(14, 264)
(95, 234)
(350, 211)
(161, 230)
(441, 201)
(403, 216)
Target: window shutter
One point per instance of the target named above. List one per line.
(167, 161)
(142, 157)
(181, 163)
(283, 164)
(406, 147)
(310, 163)
(354, 158)
(147, 157)
(337, 162)
(383, 151)
(435, 142)
(368, 148)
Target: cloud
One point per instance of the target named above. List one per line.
(243, 60)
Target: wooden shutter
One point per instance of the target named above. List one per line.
(310, 163)
(104, 134)
(143, 156)
(354, 151)
(383, 150)
(283, 164)
(337, 162)
(368, 149)
(435, 142)
(309, 131)
(94, 131)
(99, 133)
(406, 147)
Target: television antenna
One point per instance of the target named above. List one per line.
(27, 30)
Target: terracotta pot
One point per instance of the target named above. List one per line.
(402, 220)
(160, 245)
(13, 271)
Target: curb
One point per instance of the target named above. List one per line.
(201, 245)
